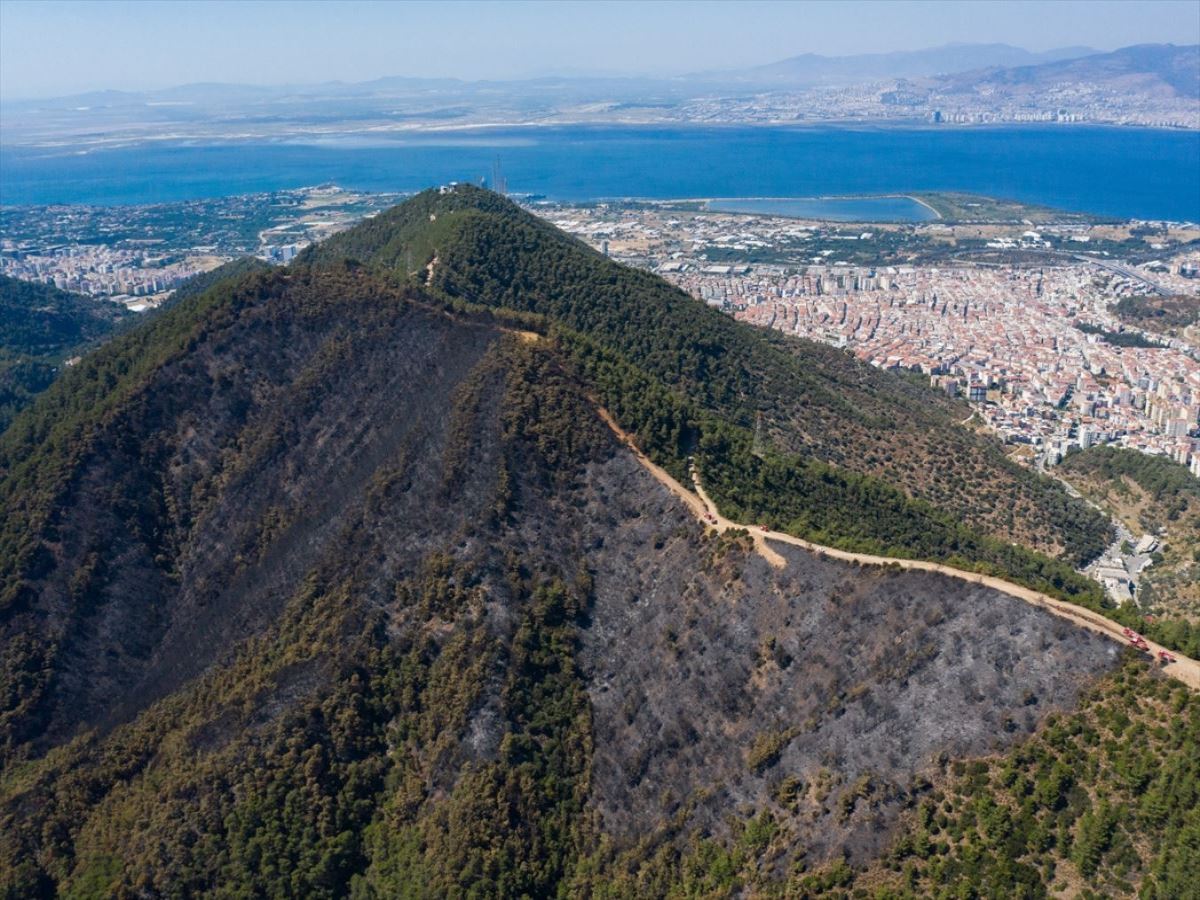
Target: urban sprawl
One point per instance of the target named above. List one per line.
(1008, 338)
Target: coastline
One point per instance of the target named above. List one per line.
(385, 134)
(400, 135)
(936, 215)
(1095, 170)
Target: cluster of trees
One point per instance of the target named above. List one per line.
(43, 327)
(1160, 313)
(1109, 795)
(802, 495)
(854, 512)
(1167, 482)
(1117, 338)
(202, 282)
(342, 794)
(41, 320)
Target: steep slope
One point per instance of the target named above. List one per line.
(320, 585)
(42, 327)
(241, 432)
(812, 401)
(1157, 496)
(1101, 802)
(1154, 70)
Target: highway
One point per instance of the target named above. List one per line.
(1128, 273)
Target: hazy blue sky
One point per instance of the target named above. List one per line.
(49, 48)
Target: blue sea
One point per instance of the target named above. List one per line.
(1130, 173)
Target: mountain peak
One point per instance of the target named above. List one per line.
(377, 575)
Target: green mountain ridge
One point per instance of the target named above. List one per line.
(330, 581)
(853, 457)
(814, 400)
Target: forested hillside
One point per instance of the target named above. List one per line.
(1164, 315)
(40, 327)
(1157, 496)
(1103, 802)
(1169, 484)
(332, 581)
(230, 271)
(815, 401)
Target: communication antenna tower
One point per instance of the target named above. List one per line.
(499, 184)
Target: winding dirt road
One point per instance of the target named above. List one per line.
(1184, 669)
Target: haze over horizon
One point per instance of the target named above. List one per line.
(153, 45)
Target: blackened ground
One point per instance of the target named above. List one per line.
(715, 679)
(344, 443)
(207, 500)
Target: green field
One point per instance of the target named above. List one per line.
(955, 207)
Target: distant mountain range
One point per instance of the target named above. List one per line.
(1149, 84)
(957, 64)
(812, 68)
(1155, 69)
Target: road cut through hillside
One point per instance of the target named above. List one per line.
(1183, 669)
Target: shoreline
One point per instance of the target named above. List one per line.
(660, 202)
(936, 215)
(389, 132)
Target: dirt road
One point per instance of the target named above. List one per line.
(1184, 669)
